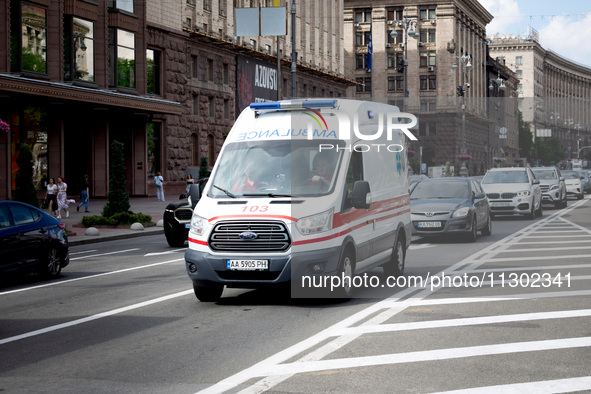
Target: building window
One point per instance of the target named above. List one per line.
(226, 73)
(207, 5)
(519, 60)
(125, 5)
(211, 109)
(519, 74)
(222, 7)
(359, 39)
(391, 84)
(226, 109)
(395, 14)
(210, 69)
(28, 39)
(359, 87)
(154, 138)
(428, 82)
(210, 150)
(194, 67)
(78, 50)
(360, 61)
(195, 104)
(391, 60)
(194, 150)
(367, 84)
(121, 58)
(427, 12)
(427, 58)
(400, 83)
(153, 71)
(362, 15)
(427, 35)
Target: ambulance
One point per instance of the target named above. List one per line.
(310, 193)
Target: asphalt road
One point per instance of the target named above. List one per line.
(123, 318)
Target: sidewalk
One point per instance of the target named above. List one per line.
(146, 205)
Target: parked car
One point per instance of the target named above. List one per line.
(574, 183)
(177, 215)
(446, 206)
(31, 240)
(552, 185)
(513, 191)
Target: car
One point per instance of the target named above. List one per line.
(414, 179)
(177, 215)
(31, 240)
(586, 181)
(574, 183)
(513, 190)
(450, 206)
(552, 185)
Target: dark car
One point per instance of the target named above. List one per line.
(31, 240)
(449, 206)
(177, 215)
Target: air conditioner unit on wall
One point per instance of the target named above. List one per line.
(356, 25)
(390, 22)
(420, 44)
(431, 68)
(432, 21)
(388, 45)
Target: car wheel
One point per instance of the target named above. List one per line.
(474, 231)
(488, 229)
(532, 213)
(208, 293)
(395, 267)
(540, 210)
(175, 242)
(345, 274)
(53, 264)
(580, 196)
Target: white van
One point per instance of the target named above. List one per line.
(302, 191)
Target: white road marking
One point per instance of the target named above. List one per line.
(94, 317)
(541, 387)
(167, 252)
(419, 246)
(83, 252)
(90, 277)
(104, 254)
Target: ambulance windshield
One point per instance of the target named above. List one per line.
(277, 169)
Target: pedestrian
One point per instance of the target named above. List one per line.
(159, 182)
(51, 197)
(190, 181)
(84, 194)
(62, 197)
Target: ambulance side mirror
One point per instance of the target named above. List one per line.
(361, 198)
(195, 194)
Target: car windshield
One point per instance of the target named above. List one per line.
(571, 175)
(428, 190)
(275, 169)
(545, 174)
(505, 177)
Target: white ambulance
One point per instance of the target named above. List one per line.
(302, 191)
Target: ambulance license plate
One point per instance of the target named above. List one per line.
(247, 265)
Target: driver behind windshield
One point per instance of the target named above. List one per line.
(251, 180)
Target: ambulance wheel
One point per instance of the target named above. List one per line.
(345, 274)
(395, 267)
(208, 293)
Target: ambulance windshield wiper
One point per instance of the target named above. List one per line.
(225, 191)
(272, 195)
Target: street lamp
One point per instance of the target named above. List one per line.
(406, 25)
(461, 89)
(568, 123)
(499, 81)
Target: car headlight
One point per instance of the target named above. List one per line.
(198, 224)
(316, 223)
(523, 193)
(554, 187)
(460, 213)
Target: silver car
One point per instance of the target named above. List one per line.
(574, 184)
(552, 185)
(513, 191)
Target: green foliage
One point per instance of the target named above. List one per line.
(414, 164)
(203, 170)
(25, 188)
(474, 168)
(447, 169)
(549, 150)
(34, 62)
(117, 198)
(121, 218)
(525, 138)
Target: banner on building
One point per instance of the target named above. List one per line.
(256, 82)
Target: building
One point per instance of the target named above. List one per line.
(556, 91)
(165, 77)
(439, 57)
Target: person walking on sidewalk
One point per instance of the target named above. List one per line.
(84, 194)
(51, 197)
(62, 197)
(159, 182)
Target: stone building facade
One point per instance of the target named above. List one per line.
(449, 32)
(159, 76)
(556, 91)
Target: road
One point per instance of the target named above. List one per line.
(123, 318)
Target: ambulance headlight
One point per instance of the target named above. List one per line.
(198, 224)
(316, 223)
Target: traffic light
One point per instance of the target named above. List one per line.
(460, 90)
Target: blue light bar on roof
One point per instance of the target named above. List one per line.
(289, 104)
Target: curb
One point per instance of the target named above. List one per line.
(103, 238)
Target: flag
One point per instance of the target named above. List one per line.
(369, 52)
(276, 3)
(502, 150)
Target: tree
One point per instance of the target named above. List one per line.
(447, 169)
(203, 170)
(550, 150)
(525, 138)
(25, 188)
(117, 198)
